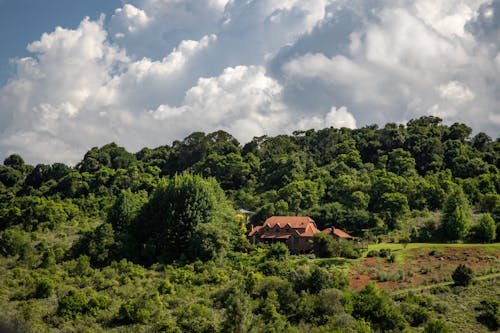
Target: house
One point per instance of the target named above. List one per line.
(296, 232)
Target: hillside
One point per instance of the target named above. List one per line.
(154, 240)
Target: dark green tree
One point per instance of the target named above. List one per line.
(374, 306)
(487, 229)
(456, 215)
(181, 208)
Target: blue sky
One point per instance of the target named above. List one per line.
(23, 21)
(154, 71)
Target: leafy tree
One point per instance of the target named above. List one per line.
(374, 306)
(301, 194)
(125, 209)
(10, 176)
(394, 205)
(15, 161)
(99, 245)
(401, 162)
(462, 275)
(456, 212)
(238, 315)
(487, 228)
(167, 226)
(424, 141)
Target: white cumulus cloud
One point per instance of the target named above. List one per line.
(158, 70)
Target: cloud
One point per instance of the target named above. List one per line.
(405, 60)
(242, 100)
(158, 70)
(335, 118)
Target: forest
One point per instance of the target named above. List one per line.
(155, 241)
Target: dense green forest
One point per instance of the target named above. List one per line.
(154, 241)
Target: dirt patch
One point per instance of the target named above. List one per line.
(423, 266)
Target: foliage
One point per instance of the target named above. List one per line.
(487, 229)
(456, 214)
(151, 242)
(490, 314)
(462, 275)
(187, 216)
(74, 304)
(374, 306)
(436, 326)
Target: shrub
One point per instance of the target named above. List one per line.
(374, 306)
(490, 314)
(385, 253)
(74, 304)
(462, 275)
(166, 287)
(132, 313)
(436, 326)
(44, 288)
(278, 251)
(373, 253)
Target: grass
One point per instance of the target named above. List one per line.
(397, 246)
(460, 315)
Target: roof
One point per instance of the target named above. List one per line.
(284, 227)
(295, 222)
(338, 232)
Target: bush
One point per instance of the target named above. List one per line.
(278, 251)
(490, 314)
(74, 304)
(437, 326)
(44, 288)
(462, 275)
(373, 253)
(377, 308)
(132, 313)
(385, 253)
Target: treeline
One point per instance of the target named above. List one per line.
(366, 180)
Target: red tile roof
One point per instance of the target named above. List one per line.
(294, 222)
(286, 226)
(338, 232)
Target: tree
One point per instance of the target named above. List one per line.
(301, 194)
(394, 205)
(456, 213)
(401, 162)
(169, 224)
(14, 161)
(487, 230)
(125, 209)
(462, 275)
(372, 305)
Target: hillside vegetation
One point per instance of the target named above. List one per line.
(154, 240)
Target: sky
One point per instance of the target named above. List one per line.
(143, 73)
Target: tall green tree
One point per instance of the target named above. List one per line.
(456, 215)
(487, 230)
(187, 217)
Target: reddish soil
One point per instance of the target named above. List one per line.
(423, 266)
